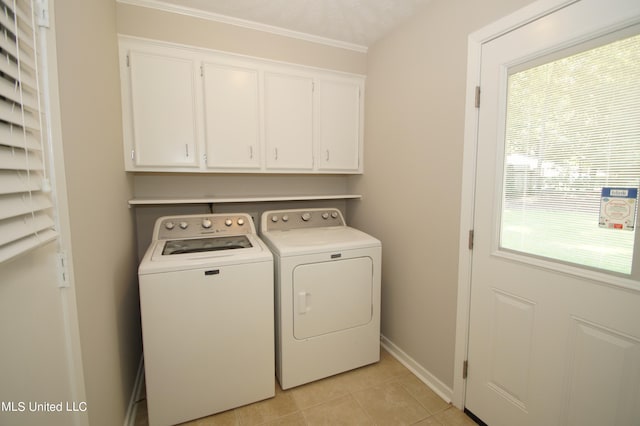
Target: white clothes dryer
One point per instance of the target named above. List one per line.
(327, 281)
(206, 299)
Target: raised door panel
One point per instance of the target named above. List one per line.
(163, 110)
(338, 129)
(288, 115)
(232, 116)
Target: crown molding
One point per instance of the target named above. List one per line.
(196, 13)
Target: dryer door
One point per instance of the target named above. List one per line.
(332, 296)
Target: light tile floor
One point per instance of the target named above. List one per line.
(385, 393)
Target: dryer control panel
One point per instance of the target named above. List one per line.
(301, 218)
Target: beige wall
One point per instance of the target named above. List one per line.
(416, 80)
(102, 225)
(175, 28)
(33, 358)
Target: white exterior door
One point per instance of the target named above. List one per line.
(554, 331)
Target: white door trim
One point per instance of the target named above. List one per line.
(475, 42)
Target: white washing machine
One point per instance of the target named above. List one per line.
(327, 279)
(206, 299)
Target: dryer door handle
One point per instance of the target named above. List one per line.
(303, 302)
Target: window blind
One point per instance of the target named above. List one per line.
(25, 209)
(573, 128)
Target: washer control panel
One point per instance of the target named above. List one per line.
(301, 218)
(188, 226)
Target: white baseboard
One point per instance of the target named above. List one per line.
(136, 393)
(425, 376)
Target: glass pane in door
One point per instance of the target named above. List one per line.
(572, 129)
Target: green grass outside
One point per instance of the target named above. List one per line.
(568, 236)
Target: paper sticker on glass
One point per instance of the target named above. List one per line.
(618, 208)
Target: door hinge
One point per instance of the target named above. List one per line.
(470, 239)
(63, 270)
(128, 63)
(465, 369)
(477, 96)
(133, 155)
(42, 13)
(201, 70)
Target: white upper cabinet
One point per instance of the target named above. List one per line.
(232, 116)
(288, 121)
(339, 124)
(163, 121)
(188, 109)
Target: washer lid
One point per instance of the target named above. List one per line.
(200, 245)
(317, 240)
(156, 260)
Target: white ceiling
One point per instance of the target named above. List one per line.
(353, 22)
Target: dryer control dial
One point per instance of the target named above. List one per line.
(325, 215)
(240, 222)
(184, 225)
(306, 216)
(169, 225)
(228, 222)
(206, 223)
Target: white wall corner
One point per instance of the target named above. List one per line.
(435, 384)
(136, 395)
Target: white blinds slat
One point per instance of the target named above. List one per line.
(9, 251)
(10, 91)
(19, 227)
(13, 136)
(5, 21)
(13, 182)
(7, 43)
(8, 67)
(10, 114)
(18, 159)
(21, 204)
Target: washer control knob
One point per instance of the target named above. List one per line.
(241, 221)
(285, 218)
(306, 216)
(334, 214)
(169, 225)
(206, 223)
(274, 218)
(228, 222)
(184, 225)
(325, 215)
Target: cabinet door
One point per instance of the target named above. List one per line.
(339, 125)
(288, 121)
(232, 116)
(163, 109)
